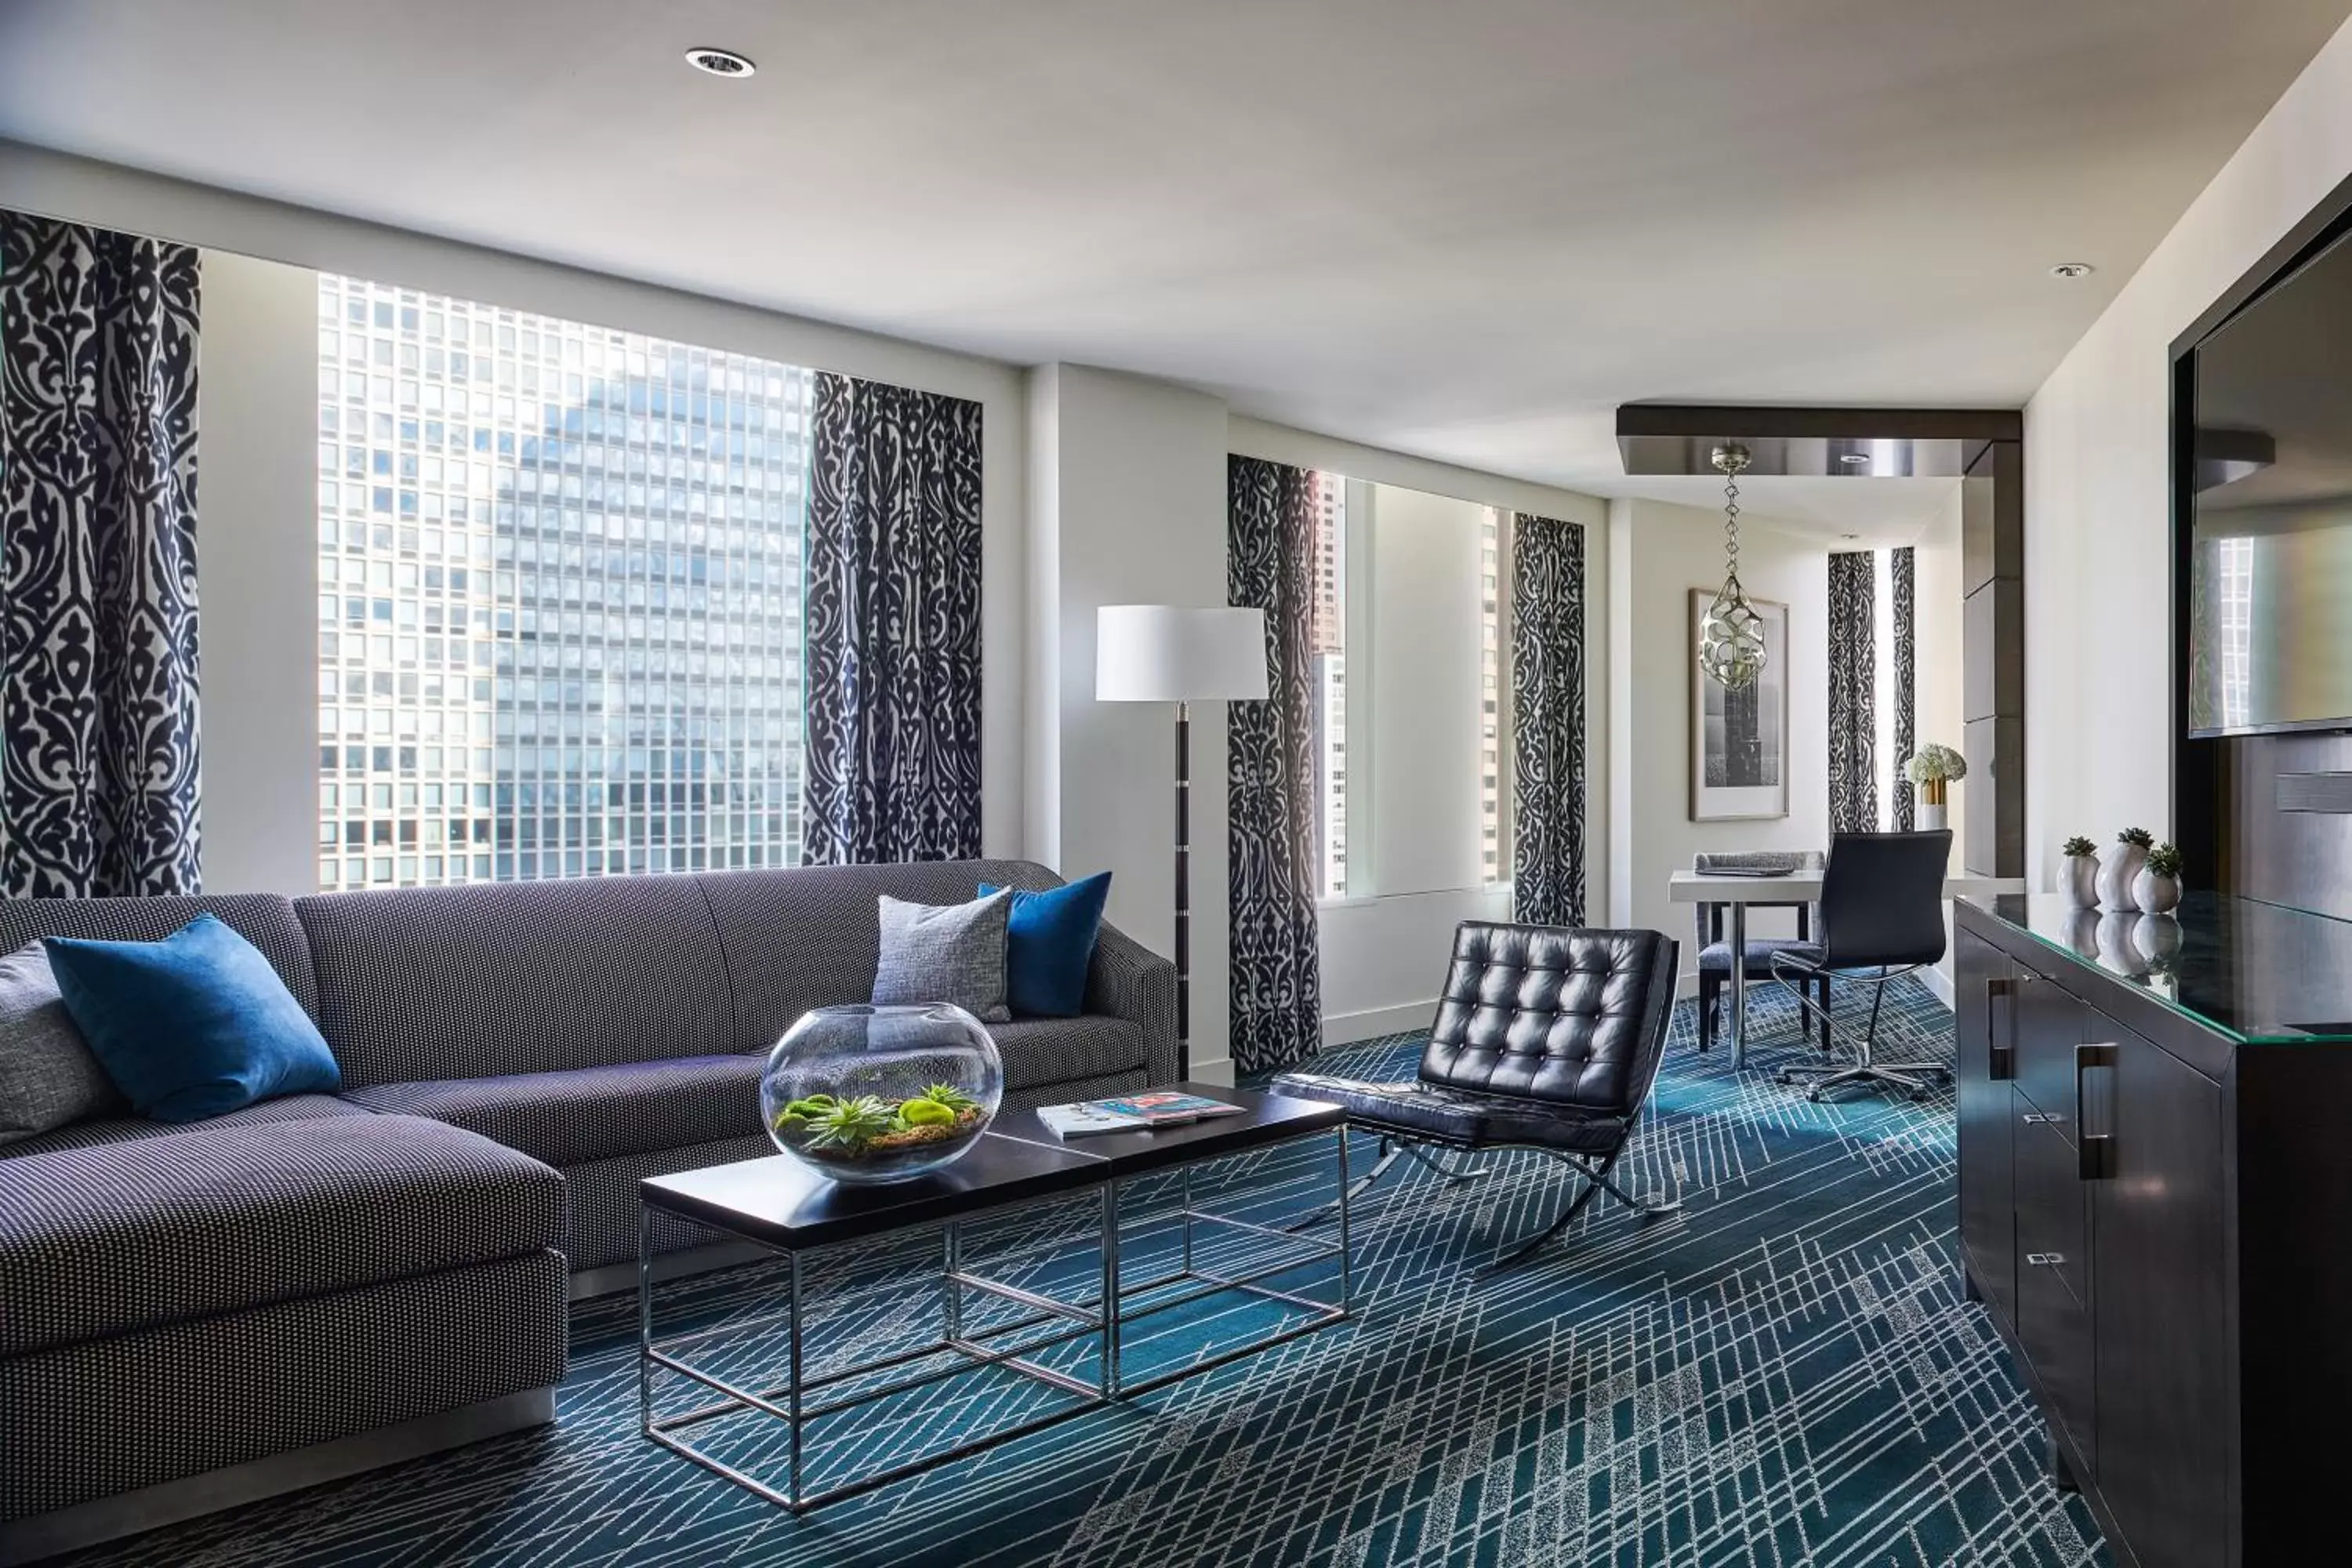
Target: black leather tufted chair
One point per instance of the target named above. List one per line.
(1547, 1037)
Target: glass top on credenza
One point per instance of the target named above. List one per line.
(2261, 974)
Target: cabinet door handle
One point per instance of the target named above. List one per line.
(2045, 1260)
(2003, 1041)
(2042, 1119)
(2095, 1152)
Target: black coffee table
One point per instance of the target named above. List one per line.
(780, 1205)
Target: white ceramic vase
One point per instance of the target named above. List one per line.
(1931, 819)
(2153, 894)
(2117, 872)
(2079, 880)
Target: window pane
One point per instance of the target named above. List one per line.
(587, 587)
(1330, 656)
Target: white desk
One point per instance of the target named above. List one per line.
(1796, 888)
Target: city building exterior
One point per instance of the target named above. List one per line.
(559, 597)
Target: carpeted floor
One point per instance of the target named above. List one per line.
(1782, 1374)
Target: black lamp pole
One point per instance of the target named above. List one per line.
(1183, 890)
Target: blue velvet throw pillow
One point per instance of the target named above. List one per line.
(197, 1024)
(1050, 944)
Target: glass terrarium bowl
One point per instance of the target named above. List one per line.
(879, 1094)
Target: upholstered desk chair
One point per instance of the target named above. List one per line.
(1715, 947)
(1548, 1038)
(1882, 910)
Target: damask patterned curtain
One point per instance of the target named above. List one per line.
(891, 749)
(1547, 568)
(98, 780)
(1902, 570)
(1853, 693)
(1277, 994)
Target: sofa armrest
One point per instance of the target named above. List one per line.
(1129, 981)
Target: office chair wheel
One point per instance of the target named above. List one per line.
(1815, 1096)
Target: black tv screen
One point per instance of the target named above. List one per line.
(2270, 592)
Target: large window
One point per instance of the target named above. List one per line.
(559, 597)
(1331, 655)
(1413, 725)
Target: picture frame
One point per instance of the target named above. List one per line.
(1740, 741)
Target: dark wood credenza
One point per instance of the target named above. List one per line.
(2155, 1208)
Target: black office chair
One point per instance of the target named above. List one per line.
(1882, 907)
(1547, 1037)
(1715, 949)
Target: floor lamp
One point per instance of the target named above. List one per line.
(1168, 653)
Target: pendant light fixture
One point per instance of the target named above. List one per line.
(1731, 642)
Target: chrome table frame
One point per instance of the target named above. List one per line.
(790, 1402)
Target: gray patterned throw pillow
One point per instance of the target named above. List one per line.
(47, 1076)
(953, 952)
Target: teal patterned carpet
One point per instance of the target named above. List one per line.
(1784, 1374)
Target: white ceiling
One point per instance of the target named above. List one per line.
(1465, 230)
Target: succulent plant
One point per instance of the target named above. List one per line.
(951, 1097)
(2163, 861)
(2078, 845)
(2139, 835)
(1932, 763)
(848, 1125)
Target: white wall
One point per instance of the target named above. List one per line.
(257, 574)
(1658, 553)
(2098, 722)
(244, 378)
(1128, 506)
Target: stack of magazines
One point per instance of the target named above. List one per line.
(1132, 1113)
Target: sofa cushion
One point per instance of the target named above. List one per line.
(1049, 946)
(192, 1027)
(1055, 1050)
(158, 1230)
(592, 1113)
(124, 1129)
(417, 984)
(944, 953)
(49, 1079)
(811, 937)
(263, 920)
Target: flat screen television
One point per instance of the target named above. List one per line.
(2269, 601)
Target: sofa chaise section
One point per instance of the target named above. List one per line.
(191, 1320)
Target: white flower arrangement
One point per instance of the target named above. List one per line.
(1936, 764)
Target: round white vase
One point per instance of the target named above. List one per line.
(2079, 880)
(1931, 819)
(2155, 895)
(2116, 871)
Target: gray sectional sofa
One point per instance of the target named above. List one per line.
(193, 1316)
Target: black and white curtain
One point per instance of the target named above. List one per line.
(1853, 693)
(99, 782)
(1547, 570)
(891, 748)
(1901, 570)
(1277, 994)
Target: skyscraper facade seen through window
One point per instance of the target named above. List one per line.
(1329, 651)
(560, 587)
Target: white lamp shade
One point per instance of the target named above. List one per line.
(1170, 653)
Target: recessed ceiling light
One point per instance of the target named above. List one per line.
(1849, 536)
(719, 62)
(2070, 270)
(1854, 457)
